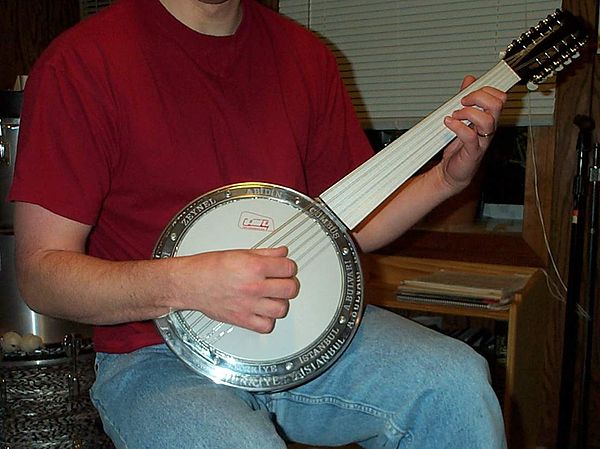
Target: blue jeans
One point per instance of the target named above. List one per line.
(398, 385)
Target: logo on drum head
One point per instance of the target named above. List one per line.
(255, 222)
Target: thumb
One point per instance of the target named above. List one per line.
(280, 251)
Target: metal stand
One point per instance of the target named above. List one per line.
(570, 341)
(589, 300)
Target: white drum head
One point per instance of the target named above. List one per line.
(321, 320)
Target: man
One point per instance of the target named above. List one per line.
(137, 111)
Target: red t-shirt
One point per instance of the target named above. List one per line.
(131, 115)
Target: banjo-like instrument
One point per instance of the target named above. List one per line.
(324, 317)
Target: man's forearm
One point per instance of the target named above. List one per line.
(81, 288)
(411, 203)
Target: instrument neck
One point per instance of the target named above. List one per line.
(355, 196)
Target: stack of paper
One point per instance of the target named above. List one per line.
(463, 288)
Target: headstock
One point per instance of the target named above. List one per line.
(546, 48)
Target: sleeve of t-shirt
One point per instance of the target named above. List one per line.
(338, 144)
(65, 141)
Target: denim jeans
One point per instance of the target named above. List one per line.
(398, 385)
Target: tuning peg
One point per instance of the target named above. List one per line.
(556, 14)
(538, 79)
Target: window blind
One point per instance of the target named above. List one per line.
(401, 59)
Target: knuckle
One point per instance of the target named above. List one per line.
(287, 289)
(255, 266)
(293, 268)
(294, 288)
(265, 326)
(283, 309)
(252, 289)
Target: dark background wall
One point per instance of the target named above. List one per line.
(26, 29)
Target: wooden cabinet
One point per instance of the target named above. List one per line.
(527, 324)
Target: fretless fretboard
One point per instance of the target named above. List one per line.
(360, 192)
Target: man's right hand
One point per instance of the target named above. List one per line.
(246, 288)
